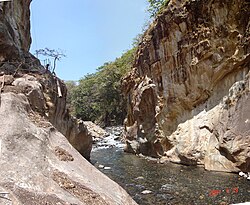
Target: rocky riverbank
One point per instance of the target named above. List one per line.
(112, 137)
(38, 163)
(150, 182)
(188, 93)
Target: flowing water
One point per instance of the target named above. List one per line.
(149, 182)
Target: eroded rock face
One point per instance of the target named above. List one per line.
(186, 64)
(41, 88)
(217, 138)
(55, 109)
(39, 166)
(14, 29)
(42, 93)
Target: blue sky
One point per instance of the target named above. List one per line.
(90, 32)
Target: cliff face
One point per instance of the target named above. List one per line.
(188, 91)
(40, 88)
(42, 92)
(14, 29)
(38, 164)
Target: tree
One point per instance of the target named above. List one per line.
(98, 97)
(155, 6)
(71, 85)
(55, 54)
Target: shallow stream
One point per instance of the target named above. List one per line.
(169, 183)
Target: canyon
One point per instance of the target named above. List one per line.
(188, 93)
(187, 103)
(38, 163)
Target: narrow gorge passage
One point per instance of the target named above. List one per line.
(181, 94)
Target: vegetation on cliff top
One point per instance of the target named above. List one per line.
(156, 6)
(98, 96)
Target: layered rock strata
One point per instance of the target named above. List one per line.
(193, 57)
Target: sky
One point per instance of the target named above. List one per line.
(89, 32)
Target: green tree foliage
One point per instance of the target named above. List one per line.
(98, 97)
(156, 6)
(71, 85)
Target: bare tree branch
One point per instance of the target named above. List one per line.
(55, 54)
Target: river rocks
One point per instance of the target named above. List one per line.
(245, 175)
(95, 131)
(39, 166)
(112, 138)
(146, 192)
(101, 166)
(188, 91)
(115, 130)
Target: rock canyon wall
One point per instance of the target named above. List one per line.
(188, 93)
(24, 74)
(15, 29)
(38, 164)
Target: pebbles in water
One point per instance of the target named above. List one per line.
(101, 166)
(146, 192)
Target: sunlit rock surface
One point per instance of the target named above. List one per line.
(38, 164)
(188, 94)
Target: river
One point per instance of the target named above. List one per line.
(149, 182)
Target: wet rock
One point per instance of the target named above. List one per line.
(146, 192)
(101, 166)
(117, 137)
(167, 187)
(38, 164)
(139, 178)
(132, 147)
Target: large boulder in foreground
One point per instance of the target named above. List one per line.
(39, 166)
(42, 92)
